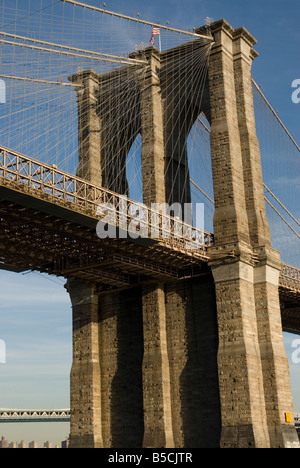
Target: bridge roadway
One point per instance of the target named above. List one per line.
(26, 416)
(48, 222)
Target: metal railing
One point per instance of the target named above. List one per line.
(47, 182)
(290, 276)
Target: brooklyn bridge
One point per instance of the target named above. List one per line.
(177, 326)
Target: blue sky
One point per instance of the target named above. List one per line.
(35, 311)
(274, 23)
(36, 324)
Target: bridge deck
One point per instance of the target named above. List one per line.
(26, 416)
(48, 224)
(49, 220)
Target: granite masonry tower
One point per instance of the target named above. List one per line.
(200, 362)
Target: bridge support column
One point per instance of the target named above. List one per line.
(253, 368)
(89, 127)
(158, 432)
(277, 387)
(153, 149)
(240, 370)
(192, 351)
(86, 429)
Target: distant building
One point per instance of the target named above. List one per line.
(48, 445)
(22, 445)
(3, 443)
(33, 445)
(13, 445)
(65, 444)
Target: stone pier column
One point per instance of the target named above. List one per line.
(253, 368)
(240, 370)
(239, 360)
(89, 127)
(277, 388)
(86, 429)
(276, 373)
(243, 56)
(158, 432)
(152, 128)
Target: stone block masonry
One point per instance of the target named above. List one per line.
(254, 378)
(152, 379)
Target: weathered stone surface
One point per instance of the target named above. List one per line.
(156, 371)
(198, 362)
(253, 369)
(121, 355)
(86, 427)
(192, 348)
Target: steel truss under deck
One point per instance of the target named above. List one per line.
(48, 222)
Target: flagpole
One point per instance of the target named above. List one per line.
(156, 32)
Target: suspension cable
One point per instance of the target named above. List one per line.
(283, 219)
(275, 113)
(136, 20)
(282, 205)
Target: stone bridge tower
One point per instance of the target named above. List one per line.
(200, 362)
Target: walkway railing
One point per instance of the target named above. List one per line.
(290, 276)
(47, 182)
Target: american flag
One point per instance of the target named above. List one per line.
(155, 32)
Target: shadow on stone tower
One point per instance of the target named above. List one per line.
(196, 362)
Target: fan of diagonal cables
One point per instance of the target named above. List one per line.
(45, 42)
